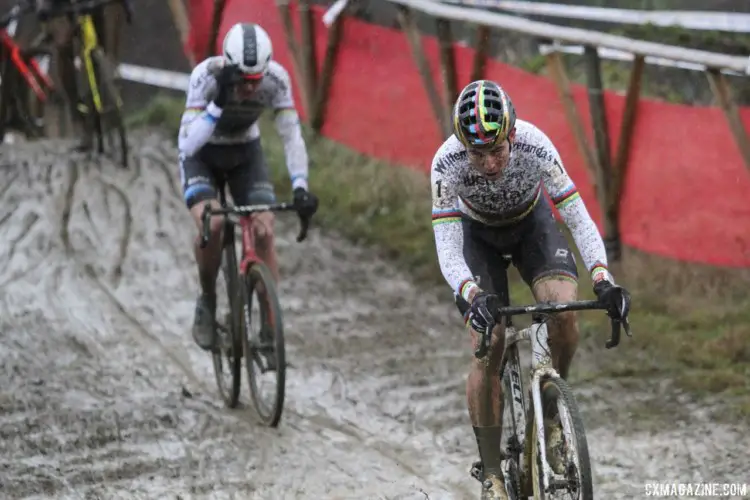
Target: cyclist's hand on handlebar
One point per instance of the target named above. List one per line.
(615, 298)
(305, 202)
(481, 314)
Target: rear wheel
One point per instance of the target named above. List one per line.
(570, 449)
(108, 120)
(227, 353)
(265, 356)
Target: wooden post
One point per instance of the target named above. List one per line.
(601, 138)
(182, 22)
(447, 66)
(309, 61)
(291, 40)
(329, 62)
(723, 93)
(620, 166)
(215, 24)
(480, 53)
(406, 20)
(557, 69)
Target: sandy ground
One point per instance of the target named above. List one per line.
(104, 395)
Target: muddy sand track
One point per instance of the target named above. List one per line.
(104, 395)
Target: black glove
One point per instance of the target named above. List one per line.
(481, 314)
(615, 298)
(305, 202)
(225, 79)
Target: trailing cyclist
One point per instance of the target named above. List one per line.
(488, 181)
(219, 138)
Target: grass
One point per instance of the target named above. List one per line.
(691, 323)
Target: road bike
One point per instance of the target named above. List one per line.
(25, 87)
(263, 350)
(526, 469)
(98, 97)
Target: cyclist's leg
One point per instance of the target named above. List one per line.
(249, 184)
(547, 265)
(199, 190)
(483, 387)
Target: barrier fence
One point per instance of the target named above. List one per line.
(675, 187)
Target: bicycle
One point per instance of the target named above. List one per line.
(24, 86)
(266, 349)
(526, 469)
(99, 101)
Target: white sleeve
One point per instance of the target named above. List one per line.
(448, 230)
(573, 211)
(289, 129)
(200, 116)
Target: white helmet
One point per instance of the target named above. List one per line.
(249, 47)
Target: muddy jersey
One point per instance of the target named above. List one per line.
(205, 123)
(535, 165)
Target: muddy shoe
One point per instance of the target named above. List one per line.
(204, 324)
(555, 444)
(493, 488)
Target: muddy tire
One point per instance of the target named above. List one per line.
(109, 124)
(556, 394)
(228, 352)
(264, 349)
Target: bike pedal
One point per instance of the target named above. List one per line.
(477, 471)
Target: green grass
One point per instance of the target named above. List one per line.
(690, 322)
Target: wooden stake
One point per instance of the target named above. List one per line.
(291, 40)
(603, 167)
(723, 93)
(182, 22)
(557, 70)
(480, 53)
(406, 20)
(622, 156)
(215, 23)
(447, 66)
(329, 62)
(309, 61)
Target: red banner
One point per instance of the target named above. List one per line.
(686, 181)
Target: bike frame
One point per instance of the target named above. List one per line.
(30, 71)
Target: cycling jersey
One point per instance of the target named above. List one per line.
(205, 123)
(460, 191)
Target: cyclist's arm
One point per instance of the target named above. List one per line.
(573, 211)
(289, 129)
(448, 230)
(200, 116)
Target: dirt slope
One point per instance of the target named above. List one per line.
(104, 395)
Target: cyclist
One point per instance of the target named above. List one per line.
(219, 138)
(488, 202)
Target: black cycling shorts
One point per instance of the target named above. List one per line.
(535, 245)
(241, 166)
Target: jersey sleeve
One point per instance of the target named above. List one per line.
(201, 114)
(448, 230)
(289, 129)
(569, 203)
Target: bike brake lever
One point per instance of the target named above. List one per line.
(614, 340)
(484, 342)
(305, 225)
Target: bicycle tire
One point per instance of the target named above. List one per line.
(110, 117)
(554, 391)
(230, 395)
(260, 274)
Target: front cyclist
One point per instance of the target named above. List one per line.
(488, 201)
(219, 138)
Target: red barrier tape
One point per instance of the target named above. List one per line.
(685, 189)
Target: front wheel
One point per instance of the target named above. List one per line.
(227, 353)
(567, 449)
(265, 356)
